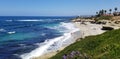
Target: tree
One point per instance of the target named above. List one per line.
(105, 11)
(110, 10)
(115, 9)
(115, 13)
(102, 12)
(97, 13)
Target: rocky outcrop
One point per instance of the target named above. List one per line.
(107, 28)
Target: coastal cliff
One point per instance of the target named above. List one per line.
(102, 46)
(93, 35)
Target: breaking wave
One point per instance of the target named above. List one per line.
(55, 43)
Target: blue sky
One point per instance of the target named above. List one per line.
(54, 7)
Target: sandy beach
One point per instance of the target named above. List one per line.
(60, 29)
(86, 29)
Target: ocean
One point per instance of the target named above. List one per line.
(24, 37)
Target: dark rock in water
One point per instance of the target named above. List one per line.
(92, 22)
(100, 22)
(117, 22)
(107, 28)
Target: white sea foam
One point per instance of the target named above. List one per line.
(63, 27)
(58, 19)
(9, 20)
(43, 34)
(12, 32)
(29, 20)
(2, 30)
(53, 44)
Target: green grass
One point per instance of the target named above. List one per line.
(104, 46)
(103, 18)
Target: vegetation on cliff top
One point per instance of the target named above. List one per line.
(104, 46)
(107, 15)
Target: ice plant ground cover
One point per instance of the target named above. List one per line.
(103, 46)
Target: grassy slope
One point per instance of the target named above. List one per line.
(104, 46)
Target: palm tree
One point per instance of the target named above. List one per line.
(105, 11)
(97, 13)
(110, 10)
(115, 9)
(102, 12)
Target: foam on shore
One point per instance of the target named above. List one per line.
(30, 20)
(55, 43)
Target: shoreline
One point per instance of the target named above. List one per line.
(56, 43)
(86, 29)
